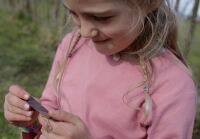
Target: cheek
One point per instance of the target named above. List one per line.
(116, 31)
(124, 34)
(123, 28)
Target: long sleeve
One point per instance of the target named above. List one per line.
(49, 96)
(174, 108)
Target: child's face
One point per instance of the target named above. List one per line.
(116, 23)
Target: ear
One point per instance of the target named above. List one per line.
(150, 5)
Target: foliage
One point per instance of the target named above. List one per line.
(27, 49)
(194, 62)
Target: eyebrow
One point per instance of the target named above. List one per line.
(97, 13)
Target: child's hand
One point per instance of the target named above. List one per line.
(63, 126)
(16, 109)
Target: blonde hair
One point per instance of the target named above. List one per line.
(159, 31)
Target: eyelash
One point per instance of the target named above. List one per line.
(96, 18)
(101, 19)
(73, 14)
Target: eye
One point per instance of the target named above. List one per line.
(75, 17)
(73, 14)
(103, 18)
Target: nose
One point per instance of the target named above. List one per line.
(86, 29)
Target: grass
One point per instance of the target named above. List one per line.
(195, 65)
(26, 53)
(27, 50)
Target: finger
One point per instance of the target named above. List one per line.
(59, 128)
(42, 137)
(42, 120)
(17, 102)
(64, 117)
(19, 92)
(50, 135)
(16, 110)
(15, 117)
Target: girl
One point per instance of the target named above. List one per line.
(119, 75)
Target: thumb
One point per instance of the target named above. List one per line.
(62, 116)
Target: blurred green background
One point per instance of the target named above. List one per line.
(29, 35)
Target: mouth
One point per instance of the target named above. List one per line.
(100, 41)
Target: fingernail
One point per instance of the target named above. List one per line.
(26, 106)
(28, 118)
(26, 97)
(51, 113)
(29, 113)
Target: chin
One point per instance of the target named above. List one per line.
(106, 48)
(105, 51)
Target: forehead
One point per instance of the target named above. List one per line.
(93, 4)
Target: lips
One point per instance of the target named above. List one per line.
(100, 41)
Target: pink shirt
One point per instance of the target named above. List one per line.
(94, 87)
